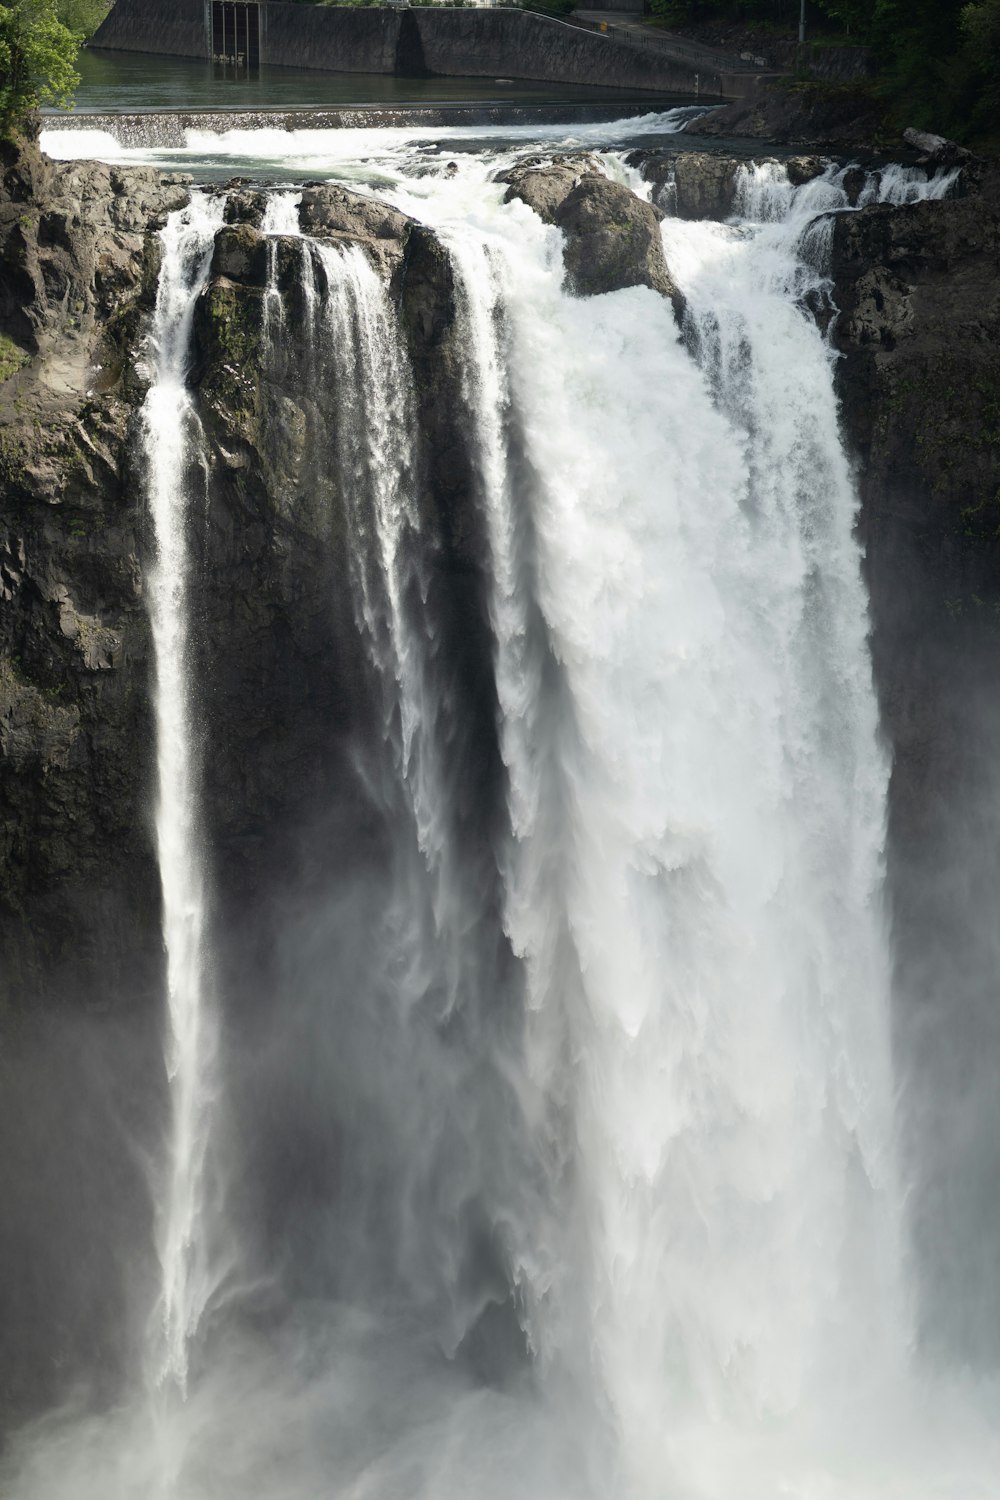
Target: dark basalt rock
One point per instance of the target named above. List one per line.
(612, 237)
(245, 205)
(81, 1070)
(240, 254)
(919, 382)
(544, 183)
(78, 263)
(799, 114)
(936, 149)
(274, 527)
(702, 185)
(612, 240)
(334, 213)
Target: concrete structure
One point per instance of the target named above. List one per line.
(480, 43)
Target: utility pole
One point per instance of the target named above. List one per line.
(802, 22)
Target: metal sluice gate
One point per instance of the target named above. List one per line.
(236, 33)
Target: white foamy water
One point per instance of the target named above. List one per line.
(765, 194)
(359, 144)
(683, 870)
(172, 434)
(691, 1174)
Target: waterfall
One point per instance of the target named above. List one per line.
(611, 1085)
(693, 888)
(171, 434)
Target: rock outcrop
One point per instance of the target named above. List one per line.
(919, 381)
(936, 149)
(78, 265)
(612, 237)
(81, 1068)
(704, 185)
(919, 331)
(276, 535)
(799, 114)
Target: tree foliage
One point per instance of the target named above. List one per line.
(82, 16)
(939, 60)
(37, 53)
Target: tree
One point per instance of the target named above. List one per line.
(82, 16)
(981, 35)
(37, 53)
(981, 26)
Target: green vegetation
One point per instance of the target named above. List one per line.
(11, 358)
(82, 16)
(37, 53)
(939, 60)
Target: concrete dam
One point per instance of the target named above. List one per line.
(421, 42)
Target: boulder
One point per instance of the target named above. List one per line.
(936, 149)
(240, 254)
(612, 237)
(334, 213)
(795, 113)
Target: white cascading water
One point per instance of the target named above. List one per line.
(706, 1238)
(171, 433)
(376, 435)
(281, 216)
(686, 871)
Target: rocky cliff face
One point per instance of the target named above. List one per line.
(919, 332)
(291, 696)
(285, 689)
(80, 257)
(79, 895)
(78, 265)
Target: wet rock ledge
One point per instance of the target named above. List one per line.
(612, 237)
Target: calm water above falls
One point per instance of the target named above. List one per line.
(668, 1126)
(137, 81)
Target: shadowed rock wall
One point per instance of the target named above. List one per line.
(82, 1077)
(919, 289)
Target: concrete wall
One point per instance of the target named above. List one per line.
(451, 43)
(342, 39)
(176, 28)
(517, 44)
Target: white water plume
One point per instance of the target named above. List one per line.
(698, 797)
(172, 433)
(355, 149)
(281, 217)
(766, 195)
(678, 912)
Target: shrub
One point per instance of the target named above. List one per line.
(37, 53)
